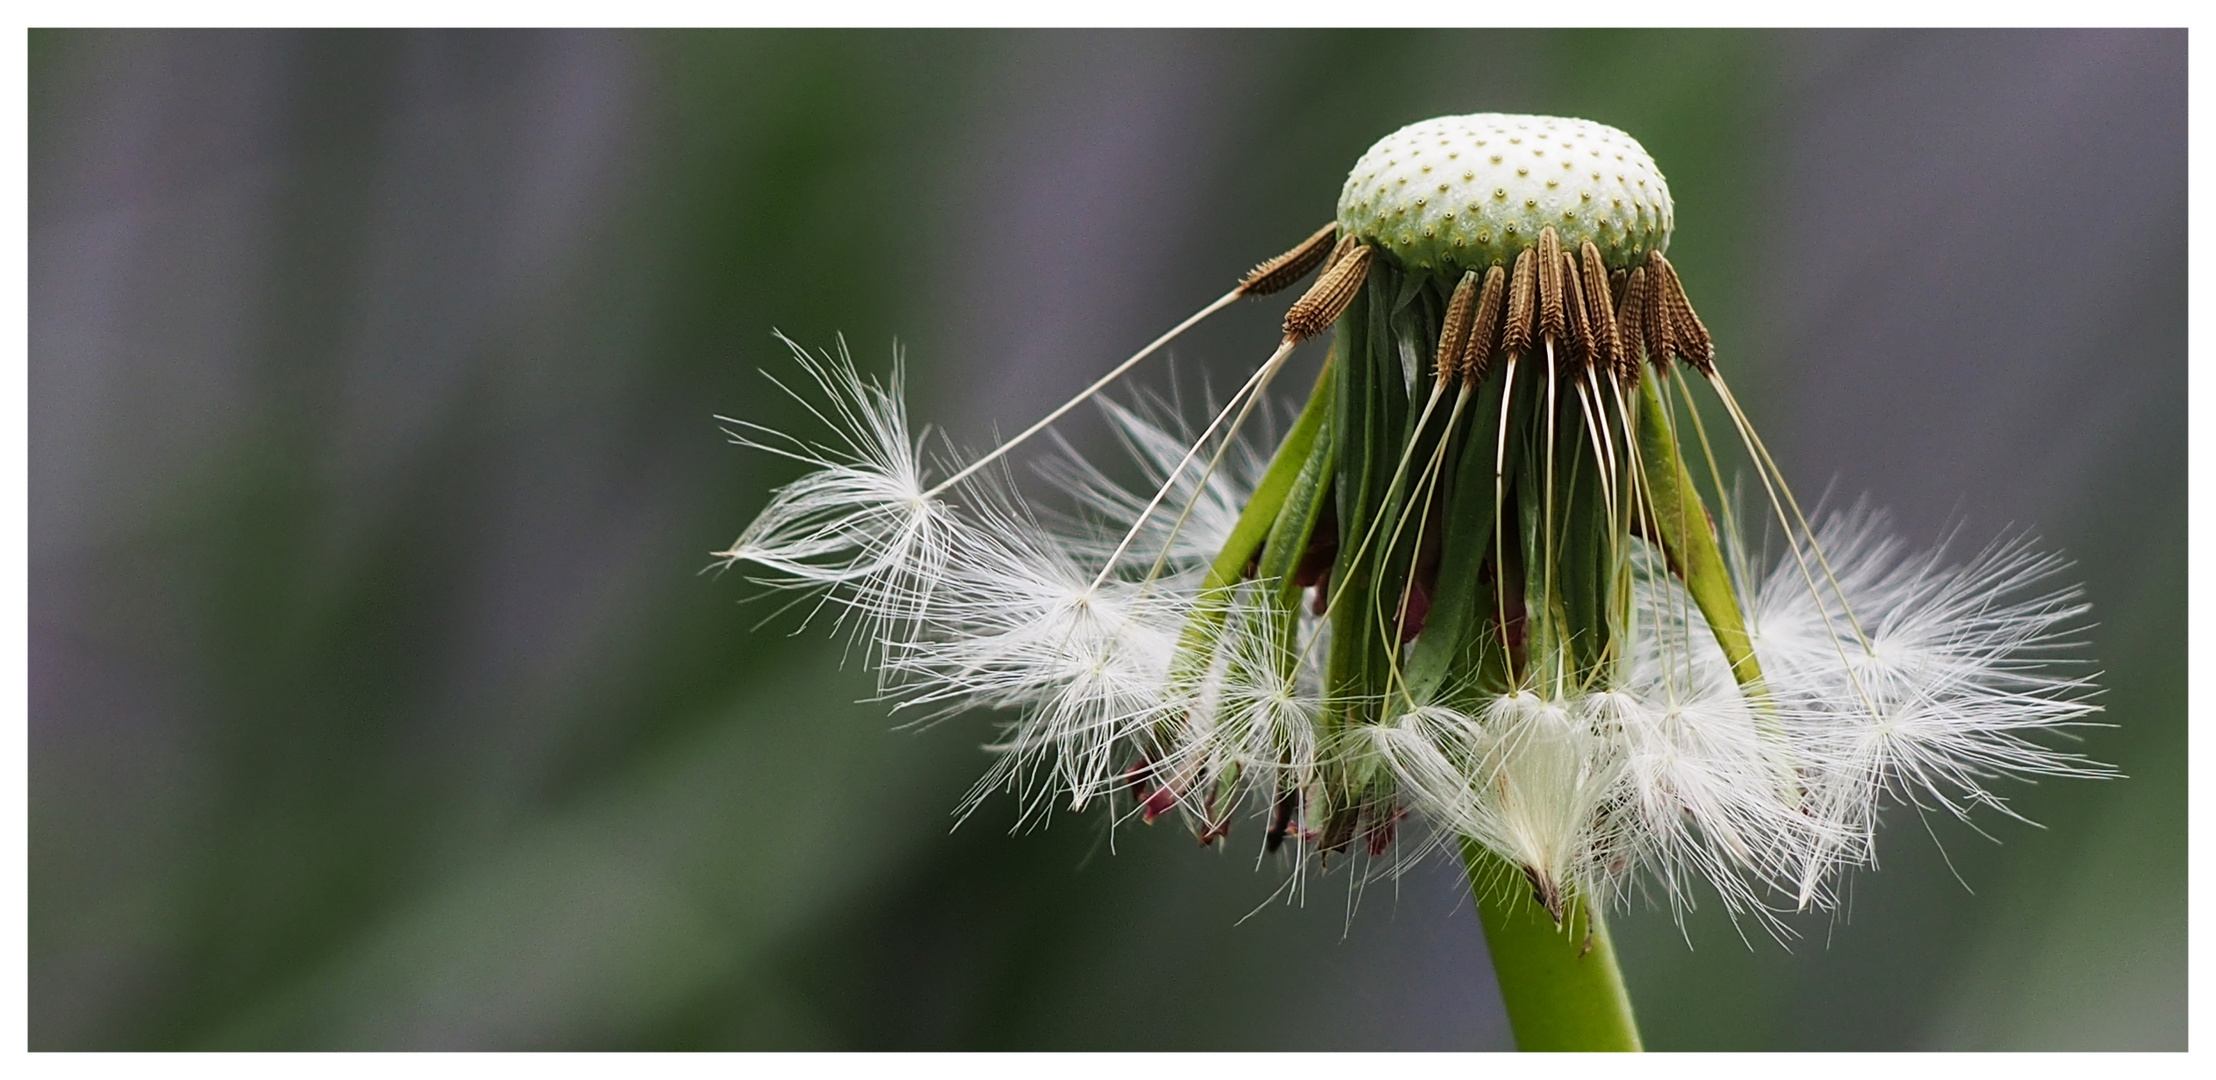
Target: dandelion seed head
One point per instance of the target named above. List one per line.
(1186, 644)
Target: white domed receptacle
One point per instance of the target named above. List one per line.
(1466, 192)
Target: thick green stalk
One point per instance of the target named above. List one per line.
(1560, 982)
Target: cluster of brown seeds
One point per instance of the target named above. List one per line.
(1598, 317)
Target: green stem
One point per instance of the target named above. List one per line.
(1559, 981)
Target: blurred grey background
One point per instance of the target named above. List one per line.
(376, 700)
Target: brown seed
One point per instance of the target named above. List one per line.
(1578, 334)
(1688, 338)
(1654, 314)
(1515, 332)
(1546, 893)
(1282, 271)
(1630, 323)
(1477, 348)
(1339, 251)
(1553, 313)
(1328, 298)
(1455, 330)
(1600, 311)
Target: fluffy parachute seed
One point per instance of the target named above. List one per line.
(1477, 348)
(1281, 272)
(1454, 333)
(1515, 333)
(1328, 298)
(1553, 308)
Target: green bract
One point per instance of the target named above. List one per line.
(1468, 192)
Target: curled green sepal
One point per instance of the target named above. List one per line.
(1690, 543)
(1196, 645)
(1688, 539)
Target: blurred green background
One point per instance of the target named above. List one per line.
(377, 700)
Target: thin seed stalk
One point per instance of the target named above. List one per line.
(1560, 982)
(1372, 403)
(1456, 633)
(1196, 645)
